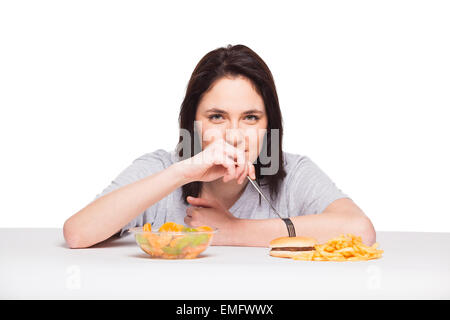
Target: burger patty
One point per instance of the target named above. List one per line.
(293, 249)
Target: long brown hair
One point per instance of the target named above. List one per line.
(233, 61)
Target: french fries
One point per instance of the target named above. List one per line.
(343, 248)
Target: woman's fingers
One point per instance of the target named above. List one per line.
(188, 220)
(243, 175)
(239, 158)
(229, 166)
(237, 154)
(251, 170)
(232, 159)
(217, 156)
(200, 202)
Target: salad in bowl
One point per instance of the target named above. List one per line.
(173, 241)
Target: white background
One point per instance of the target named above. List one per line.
(88, 86)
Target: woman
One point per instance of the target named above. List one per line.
(230, 128)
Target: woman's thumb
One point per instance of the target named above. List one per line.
(200, 202)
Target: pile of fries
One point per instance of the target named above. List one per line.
(342, 248)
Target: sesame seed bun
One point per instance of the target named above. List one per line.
(292, 242)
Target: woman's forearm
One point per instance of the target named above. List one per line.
(322, 227)
(108, 214)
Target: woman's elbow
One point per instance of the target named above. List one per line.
(73, 237)
(366, 231)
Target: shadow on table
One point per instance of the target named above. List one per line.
(147, 257)
(112, 242)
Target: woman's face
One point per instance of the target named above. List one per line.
(234, 111)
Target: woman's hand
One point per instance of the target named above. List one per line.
(219, 159)
(203, 212)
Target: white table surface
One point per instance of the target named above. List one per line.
(36, 264)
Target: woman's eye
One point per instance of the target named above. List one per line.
(251, 117)
(215, 117)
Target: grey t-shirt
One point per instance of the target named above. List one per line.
(306, 189)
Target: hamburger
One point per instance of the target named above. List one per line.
(287, 247)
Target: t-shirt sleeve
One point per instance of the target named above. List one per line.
(310, 190)
(140, 168)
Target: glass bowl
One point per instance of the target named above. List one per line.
(173, 245)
